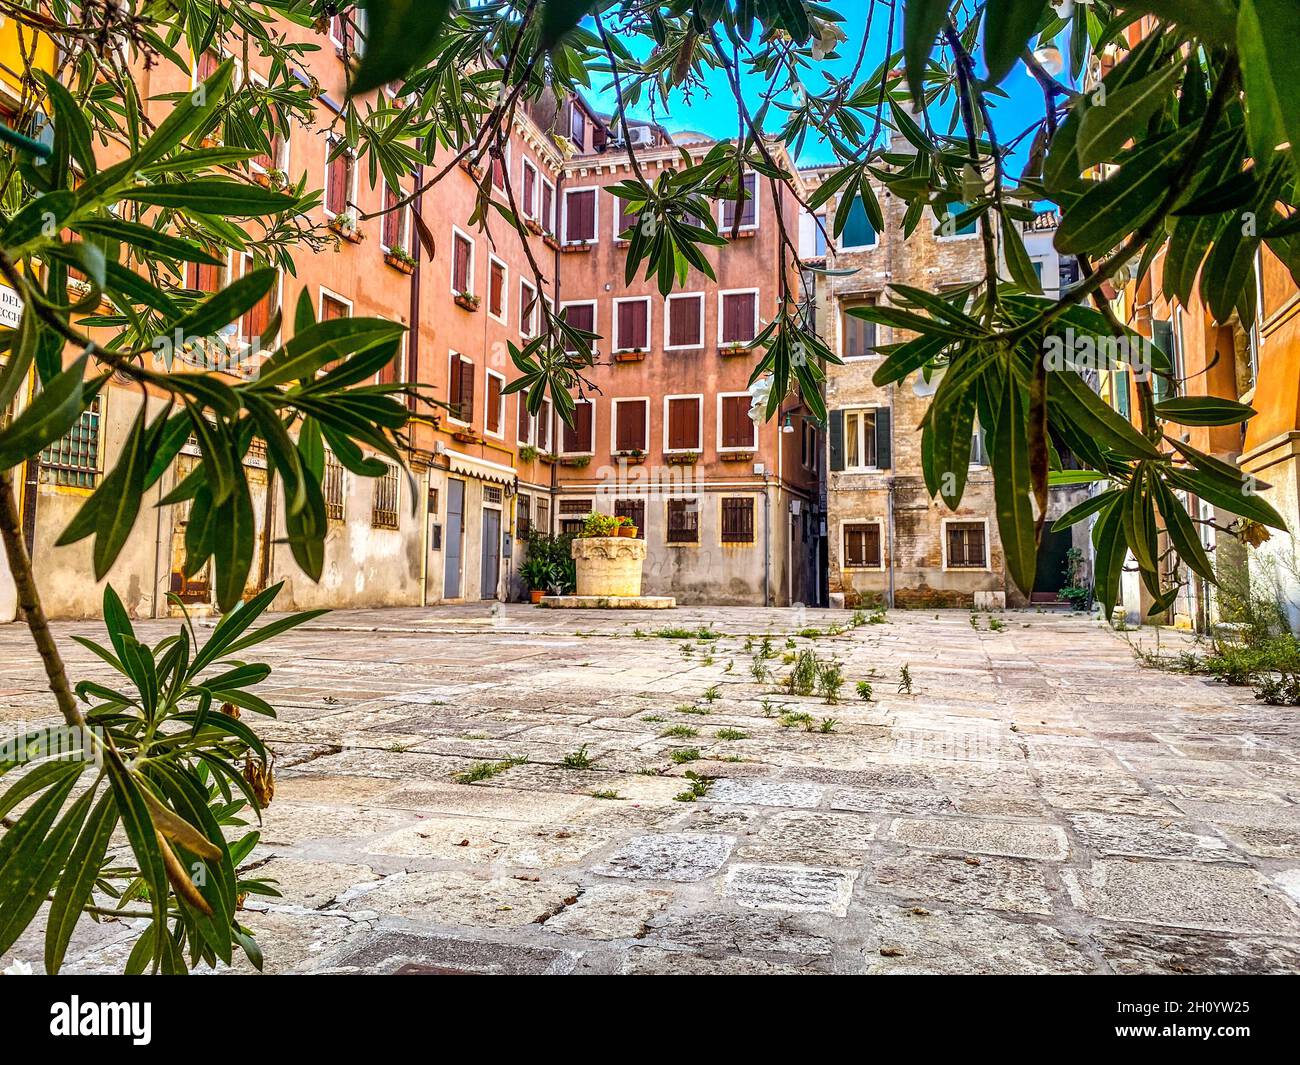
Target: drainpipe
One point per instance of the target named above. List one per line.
(893, 459)
(411, 371)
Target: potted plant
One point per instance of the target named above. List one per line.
(345, 225)
(467, 300)
(550, 458)
(728, 350)
(597, 524)
(684, 458)
(400, 259)
(626, 527)
(633, 456)
(577, 246)
(537, 574)
(549, 239)
(575, 460)
(527, 453)
(533, 226)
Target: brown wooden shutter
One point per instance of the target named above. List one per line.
(577, 438)
(466, 391)
(683, 424)
(738, 318)
(460, 265)
(494, 404)
(525, 419)
(530, 184)
(631, 430)
(337, 191)
(496, 288)
(581, 316)
(632, 324)
(684, 321)
(737, 425)
(453, 388)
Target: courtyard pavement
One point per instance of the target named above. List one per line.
(1038, 802)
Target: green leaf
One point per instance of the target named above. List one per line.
(1018, 260)
(74, 886)
(922, 22)
(1124, 116)
(1204, 410)
(1012, 486)
(1267, 31)
(71, 121)
(1008, 26)
(233, 550)
(222, 308)
(51, 414)
(148, 238)
(398, 34)
(1109, 550)
(1086, 509)
(140, 833)
(1178, 525)
(215, 196)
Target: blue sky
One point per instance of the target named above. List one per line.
(714, 112)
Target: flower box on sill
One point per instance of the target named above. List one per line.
(735, 456)
(549, 240)
(632, 458)
(400, 262)
(467, 301)
(548, 459)
(620, 243)
(683, 458)
(635, 355)
(533, 226)
(577, 246)
(729, 350)
(473, 170)
(262, 178)
(465, 436)
(744, 234)
(346, 227)
(575, 460)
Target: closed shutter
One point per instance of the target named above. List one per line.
(737, 425)
(684, 424)
(524, 430)
(632, 324)
(738, 318)
(581, 316)
(530, 186)
(494, 404)
(465, 394)
(884, 450)
(631, 431)
(460, 280)
(837, 439)
(1162, 335)
(337, 191)
(454, 373)
(496, 288)
(392, 230)
(577, 437)
(684, 327)
(581, 216)
(257, 318)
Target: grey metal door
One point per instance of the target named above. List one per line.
(491, 552)
(453, 540)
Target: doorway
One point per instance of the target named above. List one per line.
(454, 541)
(491, 573)
(1053, 556)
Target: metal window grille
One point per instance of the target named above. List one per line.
(331, 487)
(966, 547)
(633, 509)
(738, 520)
(491, 493)
(683, 521)
(73, 460)
(383, 511)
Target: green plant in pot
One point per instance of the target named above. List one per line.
(595, 524)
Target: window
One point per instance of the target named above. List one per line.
(820, 229)
(631, 424)
(543, 521)
(683, 521)
(624, 218)
(860, 439)
(634, 510)
(73, 459)
(737, 519)
(462, 263)
(578, 126)
(580, 211)
(548, 206)
(526, 424)
(496, 404)
(572, 511)
(948, 219)
(331, 487)
(966, 547)
(527, 309)
(523, 514)
(736, 429)
(682, 428)
(528, 191)
(979, 455)
(332, 306)
(395, 235)
(198, 276)
(684, 321)
(460, 389)
(578, 438)
(737, 317)
(581, 316)
(862, 545)
(383, 507)
(858, 231)
(340, 179)
(1068, 272)
(258, 317)
(859, 335)
(500, 167)
(632, 324)
(544, 428)
(748, 213)
(343, 32)
(496, 293)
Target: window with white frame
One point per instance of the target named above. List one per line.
(862, 545)
(580, 437)
(736, 429)
(527, 308)
(737, 317)
(630, 425)
(498, 278)
(684, 321)
(581, 215)
(581, 316)
(860, 439)
(632, 324)
(547, 206)
(395, 233)
(965, 545)
(494, 421)
(858, 336)
(528, 188)
(748, 209)
(340, 179)
(460, 389)
(683, 423)
(462, 263)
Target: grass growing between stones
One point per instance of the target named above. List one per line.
(685, 754)
(697, 787)
(487, 770)
(680, 732)
(730, 734)
(578, 759)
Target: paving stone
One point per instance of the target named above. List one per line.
(1184, 894)
(1008, 838)
(609, 911)
(828, 839)
(455, 898)
(767, 793)
(1137, 949)
(387, 951)
(670, 856)
(1145, 837)
(989, 883)
(720, 933)
(646, 961)
(313, 884)
(480, 841)
(916, 940)
(791, 887)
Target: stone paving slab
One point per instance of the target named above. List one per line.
(1039, 803)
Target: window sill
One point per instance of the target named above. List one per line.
(728, 351)
(682, 458)
(629, 356)
(577, 248)
(736, 456)
(466, 302)
(400, 265)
